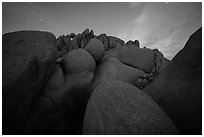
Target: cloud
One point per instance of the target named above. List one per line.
(166, 26)
(137, 4)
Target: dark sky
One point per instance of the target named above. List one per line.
(165, 26)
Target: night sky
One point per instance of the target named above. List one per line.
(165, 26)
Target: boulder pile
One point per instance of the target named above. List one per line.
(88, 84)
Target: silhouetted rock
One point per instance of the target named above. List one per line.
(85, 38)
(72, 35)
(178, 88)
(91, 34)
(85, 32)
(96, 48)
(67, 39)
(160, 61)
(119, 108)
(104, 39)
(130, 42)
(135, 43)
(114, 42)
(60, 43)
(74, 45)
(28, 61)
(78, 39)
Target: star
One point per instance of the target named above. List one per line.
(41, 19)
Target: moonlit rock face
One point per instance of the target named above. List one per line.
(113, 69)
(88, 84)
(133, 56)
(28, 61)
(118, 108)
(78, 60)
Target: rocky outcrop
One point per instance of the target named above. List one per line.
(114, 42)
(133, 43)
(28, 61)
(133, 56)
(47, 83)
(118, 108)
(72, 35)
(160, 61)
(60, 107)
(178, 88)
(113, 69)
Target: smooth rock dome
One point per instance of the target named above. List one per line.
(120, 108)
(78, 60)
(96, 48)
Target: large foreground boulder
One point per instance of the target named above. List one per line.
(61, 106)
(28, 61)
(120, 108)
(178, 88)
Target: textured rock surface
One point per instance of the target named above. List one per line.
(160, 61)
(120, 108)
(133, 56)
(178, 90)
(91, 34)
(85, 37)
(96, 49)
(114, 42)
(47, 84)
(28, 60)
(60, 43)
(112, 69)
(61, 106)
(104, 39)
(74, 44)
(78, 60)
(72, 35)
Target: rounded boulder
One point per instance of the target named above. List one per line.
(96, 48)
(117, 108)
(77, 61)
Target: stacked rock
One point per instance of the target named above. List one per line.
(88, 84)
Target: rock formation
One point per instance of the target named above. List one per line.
(117, 107)
(178, 88)
(28, 61)
(88, 84)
